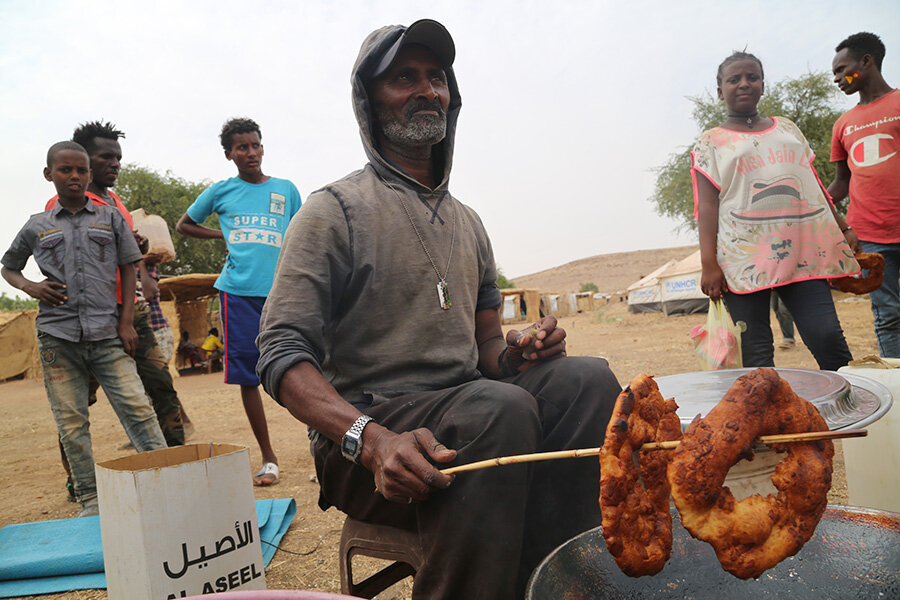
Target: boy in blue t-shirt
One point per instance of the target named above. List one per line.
(254, 211)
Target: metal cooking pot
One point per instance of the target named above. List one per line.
(854, 553)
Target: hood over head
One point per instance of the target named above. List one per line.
(375, 56)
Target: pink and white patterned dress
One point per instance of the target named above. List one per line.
(775, 221)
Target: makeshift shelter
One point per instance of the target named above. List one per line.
(584, 302)
(679, 287)
(559, 305)
(520, 305)
(18, 345)
(644, 294)
(190, 303)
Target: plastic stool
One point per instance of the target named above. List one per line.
(379, 541)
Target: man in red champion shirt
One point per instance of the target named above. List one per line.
(865, 147)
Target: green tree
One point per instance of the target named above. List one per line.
(502, 282)
(589, 287)
(169, 197)
(15, 304)
(807, 100)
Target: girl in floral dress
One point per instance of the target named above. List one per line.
(765, 221)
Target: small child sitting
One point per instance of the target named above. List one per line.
(189, 351)
(213, 347)
(79, 246)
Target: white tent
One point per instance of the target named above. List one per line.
(644, 294)
(679, 287)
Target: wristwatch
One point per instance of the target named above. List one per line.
(351, 443)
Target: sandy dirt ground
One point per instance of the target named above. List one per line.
(33, 480)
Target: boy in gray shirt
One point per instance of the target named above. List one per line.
(78, 246)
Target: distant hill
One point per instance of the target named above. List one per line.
(610, 272)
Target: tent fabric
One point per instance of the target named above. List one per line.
(644, 294)
(673, 288)
(17, 343)
(57, 556)
(680, 287)
(195, 286)
(652, 278)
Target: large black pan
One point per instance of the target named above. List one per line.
(854, 553)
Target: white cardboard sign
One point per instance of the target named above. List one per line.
(179, 522)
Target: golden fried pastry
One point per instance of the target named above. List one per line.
(872, 261)
(756, 533)
(637, 523)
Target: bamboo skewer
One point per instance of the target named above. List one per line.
(539, 456)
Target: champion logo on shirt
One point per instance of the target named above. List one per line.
(866, 152)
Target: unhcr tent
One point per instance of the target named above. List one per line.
(679, 287)
(644, 294)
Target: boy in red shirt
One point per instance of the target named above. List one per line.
(865, 146)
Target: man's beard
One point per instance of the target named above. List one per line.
(414, 130)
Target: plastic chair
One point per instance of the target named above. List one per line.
(378, 541)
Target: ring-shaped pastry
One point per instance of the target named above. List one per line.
(636, 519)
(756, 533)
(872, 261)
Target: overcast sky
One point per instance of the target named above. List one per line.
(567, 106)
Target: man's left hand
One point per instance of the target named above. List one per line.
(142, 241)
(541, 342)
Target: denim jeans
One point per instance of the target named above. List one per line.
(886, 299)
(817, 322)
(783, 315)
(67, 368)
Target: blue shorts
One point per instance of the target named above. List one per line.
(240, 324)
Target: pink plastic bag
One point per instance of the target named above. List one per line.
(718, 343)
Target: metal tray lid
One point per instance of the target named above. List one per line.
(844, 400)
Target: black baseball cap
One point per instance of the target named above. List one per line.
(426, 32)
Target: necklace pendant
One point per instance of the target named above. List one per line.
(443, 291)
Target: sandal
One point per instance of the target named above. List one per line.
(267, 469)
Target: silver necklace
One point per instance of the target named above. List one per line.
(443, 290)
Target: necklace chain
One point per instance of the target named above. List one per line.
(442, 279)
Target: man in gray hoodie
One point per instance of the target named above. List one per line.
(382, 334)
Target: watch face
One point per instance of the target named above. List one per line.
(350, 446)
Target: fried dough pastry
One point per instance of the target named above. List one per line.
(872, 261)
(637, 522)
(756, 533)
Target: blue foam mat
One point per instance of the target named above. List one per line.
(58, 556)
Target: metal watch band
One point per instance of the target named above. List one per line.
(351, 443)
(358, 425)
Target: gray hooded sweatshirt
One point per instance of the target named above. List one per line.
(354, 292)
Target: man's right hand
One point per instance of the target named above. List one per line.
(128, 336)
(50, 292)
(400, 463)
